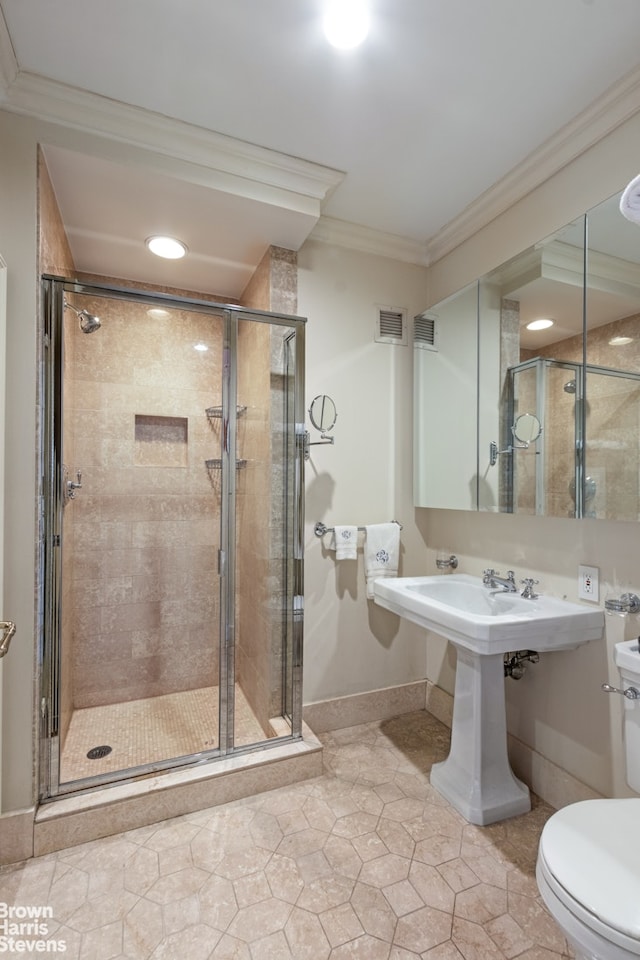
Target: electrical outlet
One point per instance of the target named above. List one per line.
(588, 583)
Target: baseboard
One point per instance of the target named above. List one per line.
(349, 711)
(547, 780)
(16, 836)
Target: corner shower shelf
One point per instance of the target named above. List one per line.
(217, 464)
(215, 413)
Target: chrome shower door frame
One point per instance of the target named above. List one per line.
(541, 367)
(50, 500)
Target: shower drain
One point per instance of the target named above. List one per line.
(97, 753)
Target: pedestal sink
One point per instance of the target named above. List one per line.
(483, 625)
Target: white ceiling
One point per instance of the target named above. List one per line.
(444, 99)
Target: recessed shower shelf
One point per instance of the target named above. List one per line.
(215, 413)
(217, 464)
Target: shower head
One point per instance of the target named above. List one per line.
(88, 322)
(570, 386)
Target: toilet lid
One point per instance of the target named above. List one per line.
(592, 848)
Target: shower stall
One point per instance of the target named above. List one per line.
(171, 533)
(586, 462)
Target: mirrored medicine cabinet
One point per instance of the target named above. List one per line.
(480, 370)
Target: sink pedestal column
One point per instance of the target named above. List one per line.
(476, 777)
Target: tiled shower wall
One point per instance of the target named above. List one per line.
(146, 522)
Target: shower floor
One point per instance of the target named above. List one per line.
(146, 731)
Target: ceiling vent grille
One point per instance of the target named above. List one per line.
(391, 325)
(425, 333)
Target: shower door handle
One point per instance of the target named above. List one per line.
(7, 630)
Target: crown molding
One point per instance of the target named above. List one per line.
(366, 240)
(242, 168)
(620, 102)
(8, 62)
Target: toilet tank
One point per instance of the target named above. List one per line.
(627, 659)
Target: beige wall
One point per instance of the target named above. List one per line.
(366, 476)
(18, 201)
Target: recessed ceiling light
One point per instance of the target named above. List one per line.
(346, 23)
(158, 313)
(167, 247)
(200, 347)
(540, 324)
(620, 341)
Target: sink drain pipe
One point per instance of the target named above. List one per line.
(514, 663)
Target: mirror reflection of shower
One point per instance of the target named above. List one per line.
(88, 322)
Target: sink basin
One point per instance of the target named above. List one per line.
(462, 609)
(483, 625)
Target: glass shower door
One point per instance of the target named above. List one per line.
(543, 477)
(133, 518)
(267, 530)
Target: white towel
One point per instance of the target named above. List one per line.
(381, 553)
(630, 201)
(345, 542)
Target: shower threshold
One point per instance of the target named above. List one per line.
(116, 808)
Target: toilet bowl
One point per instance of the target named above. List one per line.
(588, 868)
(588, 874)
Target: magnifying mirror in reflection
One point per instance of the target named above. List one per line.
(323, 415)
(526, 429)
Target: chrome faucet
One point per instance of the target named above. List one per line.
(491, 578)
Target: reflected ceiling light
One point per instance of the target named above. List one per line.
(167, 247)
(620, 341)
(346, 23)
(540, 324)
(158, 313)
(200, 347)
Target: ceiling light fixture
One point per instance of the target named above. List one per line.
(540, 324)
(200, 347)
(346, 23)
(167, 247)
(620, 341)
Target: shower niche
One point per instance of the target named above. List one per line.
(171, 627)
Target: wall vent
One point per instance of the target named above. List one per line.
(391, 325)
(425, 333)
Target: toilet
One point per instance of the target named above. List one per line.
(588, 868)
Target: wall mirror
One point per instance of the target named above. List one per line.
(578, 376)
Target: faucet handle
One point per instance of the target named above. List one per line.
(528, 592)
(488, 574)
